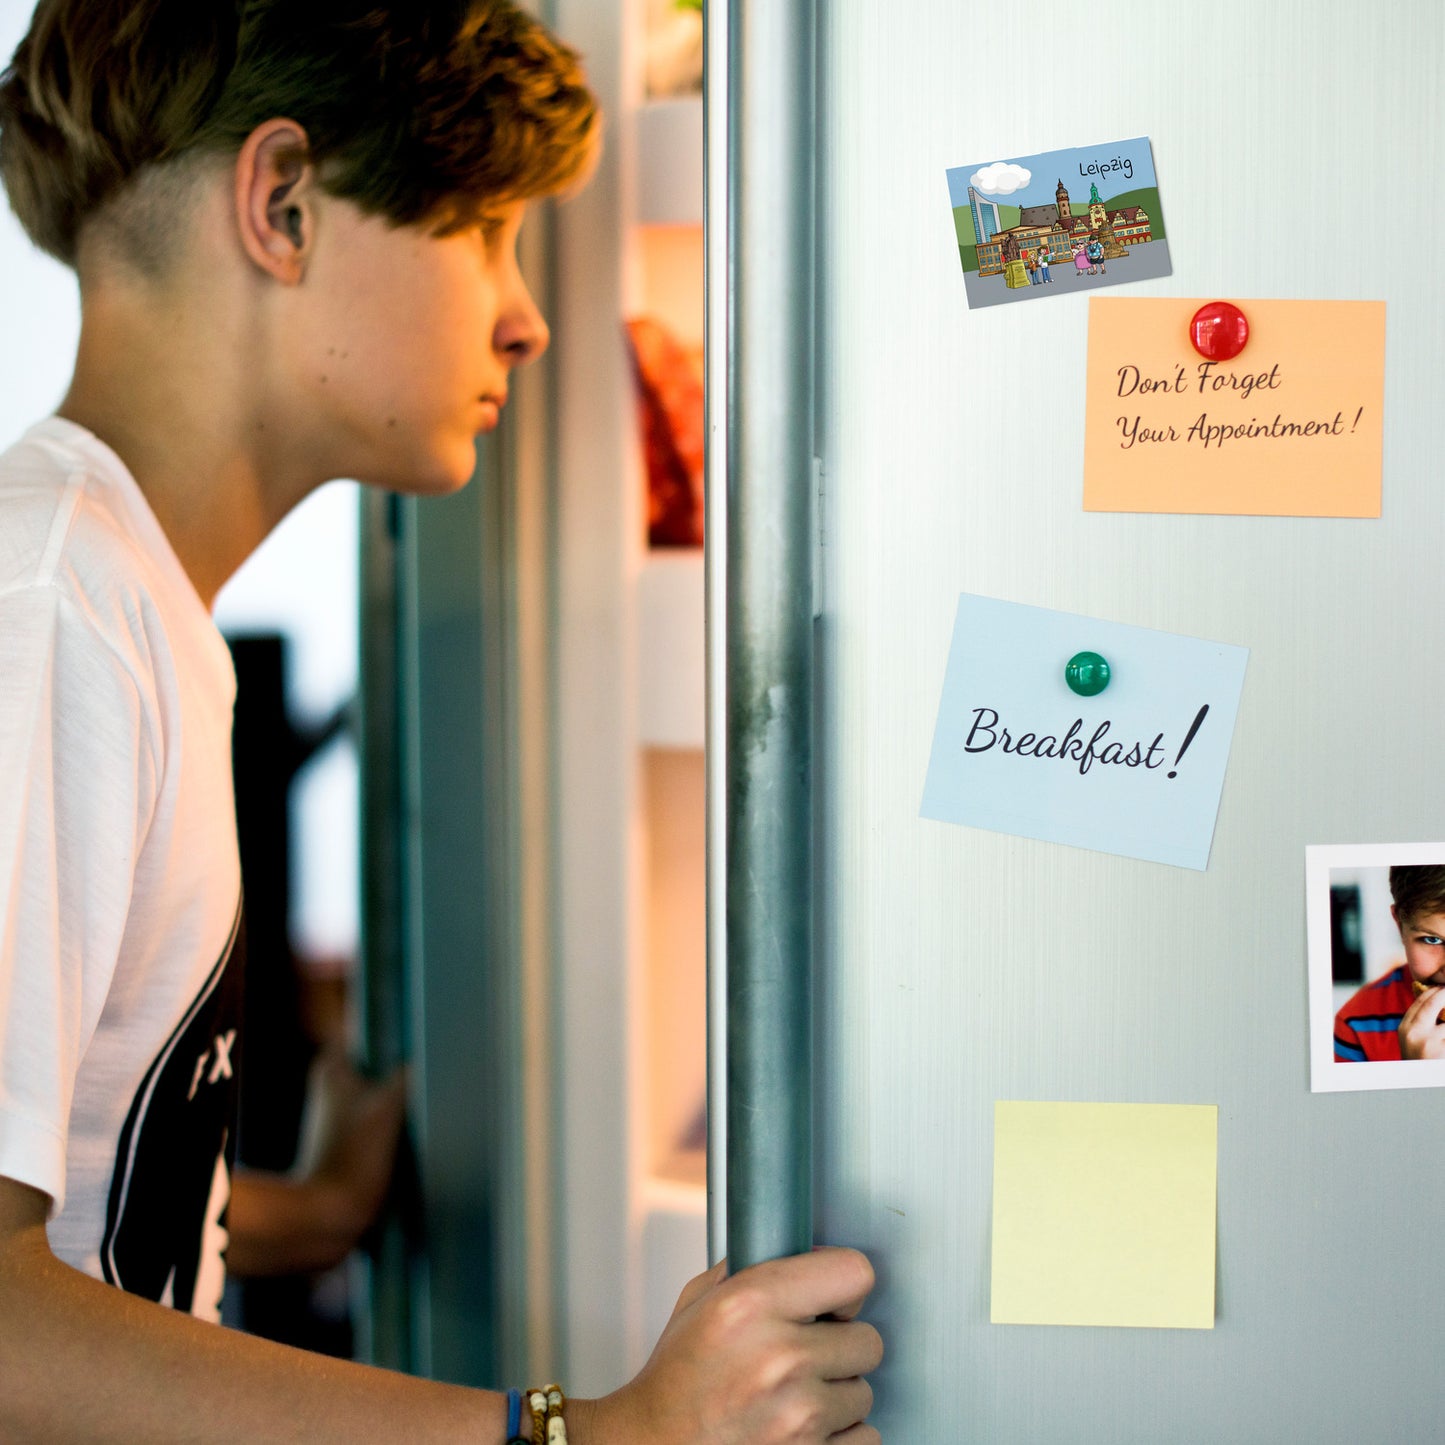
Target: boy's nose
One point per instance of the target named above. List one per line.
(522, 332)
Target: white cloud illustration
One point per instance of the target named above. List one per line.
(1002, 178)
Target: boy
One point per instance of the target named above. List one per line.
(1398, 1016)
(293, 224)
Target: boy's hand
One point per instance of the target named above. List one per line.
(772, 1356)
(1422, 1035)
(350, 1131)
(310, 1219)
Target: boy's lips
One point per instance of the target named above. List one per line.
(492, 405)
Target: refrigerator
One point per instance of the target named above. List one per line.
(881, 981)
(1298, 153)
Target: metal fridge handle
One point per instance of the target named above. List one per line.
(760, 784)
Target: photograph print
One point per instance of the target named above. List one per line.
(1376, 923)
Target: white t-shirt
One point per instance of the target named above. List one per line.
(120, 956)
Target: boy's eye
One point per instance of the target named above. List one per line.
(1430, 938)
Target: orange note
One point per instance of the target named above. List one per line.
(1291, 427)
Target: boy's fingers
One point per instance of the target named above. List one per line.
(1434, 1001)
(696, 1288)
(847, 1403)
(847, 1350)
(849, 1310)
(829, 1281)
(858, 1435)
(1432, 998)
(393, 1089)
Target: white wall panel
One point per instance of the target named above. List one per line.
(41, 299)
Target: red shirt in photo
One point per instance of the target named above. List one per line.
(1367, 1027)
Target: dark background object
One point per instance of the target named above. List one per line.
(282, 1023)
(1347, 955)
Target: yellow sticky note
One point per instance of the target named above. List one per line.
(1291, 427)
(1104, 1214)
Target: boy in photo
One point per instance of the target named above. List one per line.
(294, 224)
(1398, 1016)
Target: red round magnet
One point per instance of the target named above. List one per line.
(1219, 330)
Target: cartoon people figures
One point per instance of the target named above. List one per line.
(1095, 253)
(1044, 277)
(1081, 260)
(1031, 261)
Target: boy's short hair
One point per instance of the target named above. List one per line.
(423, 111)
(1418, 891)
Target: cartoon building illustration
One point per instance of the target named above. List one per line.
(1057, 230)
(985, 215)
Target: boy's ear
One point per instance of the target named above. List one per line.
(273, 178)
(1395, 914)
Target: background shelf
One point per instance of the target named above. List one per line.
(669, 162)
(670, 673)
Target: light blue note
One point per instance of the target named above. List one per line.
(1128, 771)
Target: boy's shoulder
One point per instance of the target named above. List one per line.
(58, 511)
(74, 523)
(1388, 996)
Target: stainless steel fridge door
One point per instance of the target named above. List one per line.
(1299, 154)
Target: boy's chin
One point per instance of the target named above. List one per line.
(437, 472)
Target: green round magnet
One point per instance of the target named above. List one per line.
(1087, 674)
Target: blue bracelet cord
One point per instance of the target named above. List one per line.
(514, 1416)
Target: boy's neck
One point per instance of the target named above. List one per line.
(172, 399)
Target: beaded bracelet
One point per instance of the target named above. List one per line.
(548, 1427)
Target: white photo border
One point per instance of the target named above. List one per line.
(1327, 1076)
